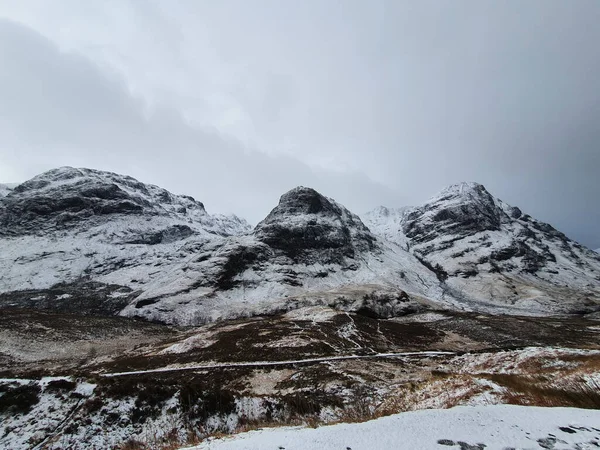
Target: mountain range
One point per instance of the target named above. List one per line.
(94, 242)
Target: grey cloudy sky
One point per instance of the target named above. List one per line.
(235, 102)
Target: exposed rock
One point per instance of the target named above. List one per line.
(308, 227)
(168, 235)
(82, 297)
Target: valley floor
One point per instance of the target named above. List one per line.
(75, 382)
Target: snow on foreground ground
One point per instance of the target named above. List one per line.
(500, 427)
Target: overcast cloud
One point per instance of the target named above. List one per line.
(235, 102)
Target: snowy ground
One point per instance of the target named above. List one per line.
(491, 427)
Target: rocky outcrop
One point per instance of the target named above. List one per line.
(168, 235)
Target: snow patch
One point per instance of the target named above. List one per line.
(313, 314)
(491, 427)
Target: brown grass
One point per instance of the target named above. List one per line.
(537, 391)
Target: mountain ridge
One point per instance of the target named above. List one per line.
(136, 249)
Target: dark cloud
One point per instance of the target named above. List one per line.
(382, 102)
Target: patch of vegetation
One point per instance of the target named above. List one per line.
(312, 377)
(200, 401)
(132, 444)
(309, 403)
(150, 400)
(20, 399)
(440, 374)
(92, 405)
(150, 394)
(524, 390)
(60, 386)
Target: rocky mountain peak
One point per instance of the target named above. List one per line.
(304, 220)
(483, 250)
(461, 210)
(465, 193)
(380, 211)
(303, 200)
(63, 175)
(465, 188)
(97, 183)
(67, 198)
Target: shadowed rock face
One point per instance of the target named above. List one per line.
(308, 226)
(66, 207)
(82, 297)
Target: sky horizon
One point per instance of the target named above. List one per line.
(379, 103)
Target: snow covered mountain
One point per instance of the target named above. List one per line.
(81, 239)
(101, 243)
(71, 199)
(309, 250)
(488, 254)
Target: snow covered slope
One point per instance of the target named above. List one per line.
(490, 255)
(387, 223)
(465, 427)
(78, 233)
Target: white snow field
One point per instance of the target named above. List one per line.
(499, 427)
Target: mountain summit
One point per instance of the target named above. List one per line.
(305, 222)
